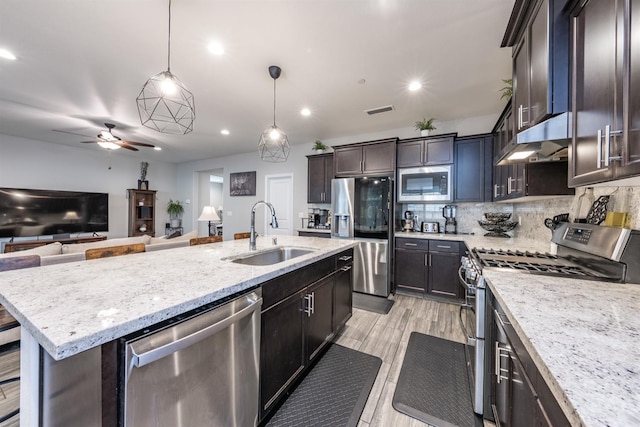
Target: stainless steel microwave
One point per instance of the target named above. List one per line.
(425, 184)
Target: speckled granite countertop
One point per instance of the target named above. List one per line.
(478, 240)
(69, 308)
(584, 337)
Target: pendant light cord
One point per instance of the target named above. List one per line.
(169, 41)
(274, 102)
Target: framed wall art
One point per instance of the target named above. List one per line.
(242, 184)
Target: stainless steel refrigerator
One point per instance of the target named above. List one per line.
(361, 211)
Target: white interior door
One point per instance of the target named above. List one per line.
(279, 192)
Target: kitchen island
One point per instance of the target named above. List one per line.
(67, 309)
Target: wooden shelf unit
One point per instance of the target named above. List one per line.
(142, 212)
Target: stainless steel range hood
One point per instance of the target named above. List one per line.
(546, 141)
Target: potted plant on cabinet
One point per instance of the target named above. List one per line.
(175, 211)
(319, 147)
(425, 126)
(507, 91)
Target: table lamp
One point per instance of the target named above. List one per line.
(209, 214)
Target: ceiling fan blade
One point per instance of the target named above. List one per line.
(128, 147)
(141, 144)
(88, 142)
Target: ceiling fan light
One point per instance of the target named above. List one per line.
(108, 145)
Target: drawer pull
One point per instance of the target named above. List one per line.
(345, 258)
(443, 246)
(411, 244)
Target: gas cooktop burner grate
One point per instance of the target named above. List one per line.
(502, 252)
(544, 268)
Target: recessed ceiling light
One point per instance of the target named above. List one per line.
(4, 53)
(305, 112)
(157, 148)
(413, 86)
(224, 132)
(216, 48)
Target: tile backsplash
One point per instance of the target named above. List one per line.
(531, 214)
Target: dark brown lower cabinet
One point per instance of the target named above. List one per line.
(520, 396)
(443, 274)
(319, 312)
(427, 266)
(303, 310)
(282, 355)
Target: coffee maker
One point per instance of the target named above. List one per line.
(449, 214)
(409, 221)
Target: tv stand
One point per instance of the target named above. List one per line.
(30, 244)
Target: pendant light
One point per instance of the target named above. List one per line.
(165, 104)
(274, 144)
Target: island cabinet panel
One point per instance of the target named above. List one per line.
(319, 312)
(370, 158)
(282, 352)
(302, 312)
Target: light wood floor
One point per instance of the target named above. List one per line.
(387, 336)
(10, 393)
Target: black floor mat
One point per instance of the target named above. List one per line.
(434, 383)
(333, 394)
(373, 303)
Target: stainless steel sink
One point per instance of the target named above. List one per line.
(273, 256)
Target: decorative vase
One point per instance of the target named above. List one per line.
(424, 132)
(175, 223)
(319, 151)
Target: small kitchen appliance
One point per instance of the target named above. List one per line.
(430, 227)
(409, 221)
(425, 184)
(449, 214)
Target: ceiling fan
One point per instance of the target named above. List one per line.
(108, 140)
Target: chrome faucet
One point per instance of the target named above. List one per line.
(252, 234)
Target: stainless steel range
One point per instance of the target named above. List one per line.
(584, 251)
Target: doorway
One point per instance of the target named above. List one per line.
(279, 192)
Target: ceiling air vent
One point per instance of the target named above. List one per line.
(379, 110)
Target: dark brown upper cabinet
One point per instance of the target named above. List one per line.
(367, 158)
(606, 80)
(473, 168)
(539, 34)
(436, 150)
(320, 174)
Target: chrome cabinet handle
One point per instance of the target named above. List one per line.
(139, 360)
(346, 268)
(345, 258)
(429, 260)
(599, 149)
(502, 322)
(519, 116)
(607, 144)
(495, 190)
(444, 246)
(411, 244)
(509, 185)
(313, 302)
(307, 305)
(496, 362)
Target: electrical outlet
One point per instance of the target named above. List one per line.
(229, 213)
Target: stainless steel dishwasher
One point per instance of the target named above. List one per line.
(198, 370)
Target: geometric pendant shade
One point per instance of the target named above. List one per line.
(273, 145)
(164, 103)
(164, 108)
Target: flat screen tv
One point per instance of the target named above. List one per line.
(27, 212)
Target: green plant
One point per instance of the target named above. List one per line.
(507, 91)
(425, 124)
(175, 209)
(318, 145)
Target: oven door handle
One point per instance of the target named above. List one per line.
(468, 286)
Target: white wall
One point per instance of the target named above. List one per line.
(32, 164)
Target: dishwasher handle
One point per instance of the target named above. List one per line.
(139, 360)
